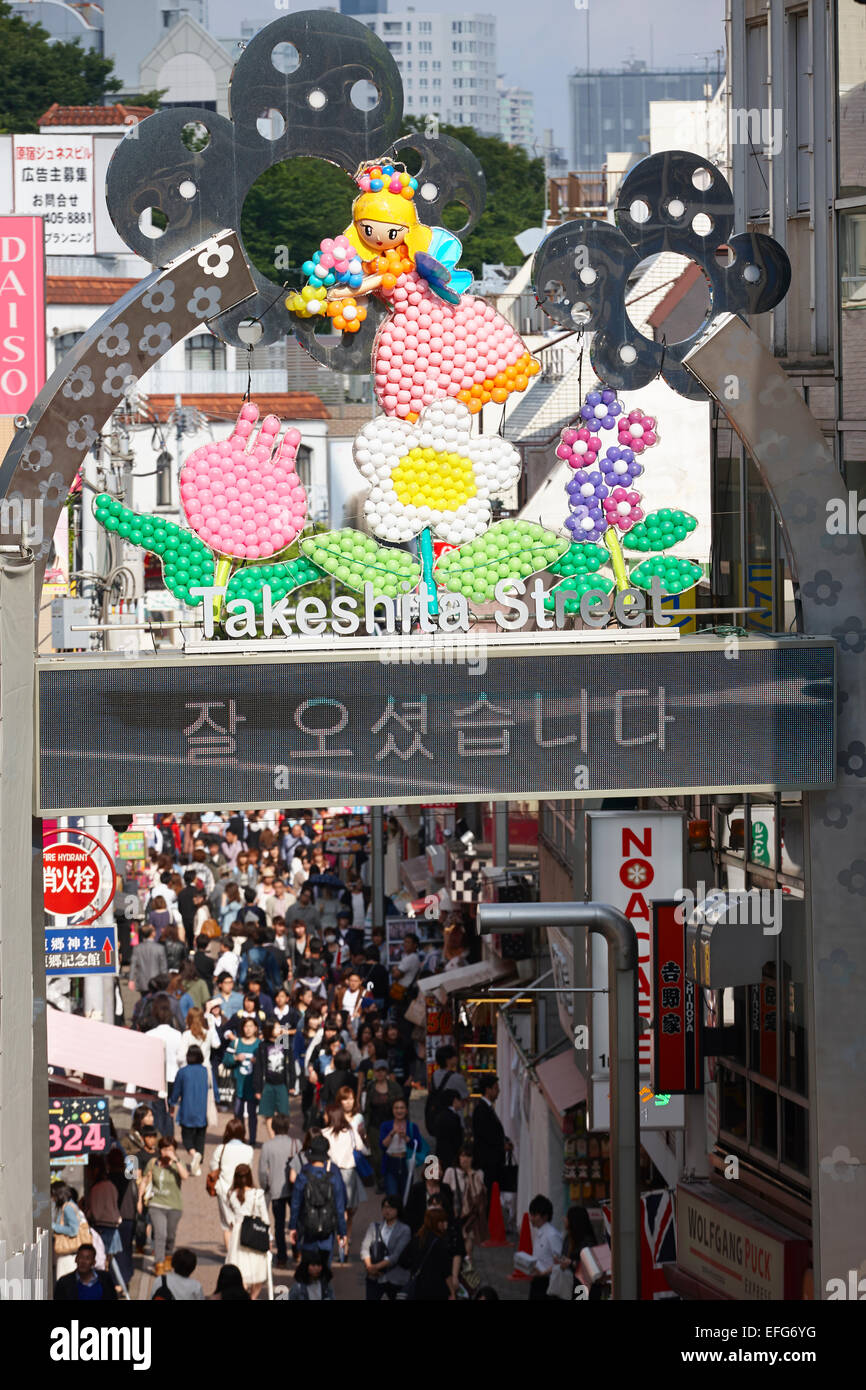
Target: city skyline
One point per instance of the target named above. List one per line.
(672, 36)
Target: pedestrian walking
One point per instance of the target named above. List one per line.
(401, 1143)
(160, 1190)
(275, 1160)
(379, 1100)
(178, 1284)
(488, 1135)
(247, 1206)
(470, 1199)
(102, 1206)
(344, 1132)
(70, 1228)
(430, 1262)
(270, 1074)
(227, 1156)
(189, 1093)
(240, 1058)
(148, 959)
(312, 1281)
(85, 1283)
(318, 1214)
(381, 1249)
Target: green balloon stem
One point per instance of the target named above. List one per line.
(425, 545)
(222, 574)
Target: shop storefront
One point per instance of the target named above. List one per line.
(727, 1250)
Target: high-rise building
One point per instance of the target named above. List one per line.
(517, 116)
(610, 108)
(363, 7)
(447, 63)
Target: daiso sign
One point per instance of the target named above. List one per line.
(22, 313)
(633, 857)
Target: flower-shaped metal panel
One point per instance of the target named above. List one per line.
(303, 67)
(673, 201)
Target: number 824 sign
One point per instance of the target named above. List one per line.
(77, 1128)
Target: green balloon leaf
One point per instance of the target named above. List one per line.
(282, 579)
(508, 550)
(659, 531)
(574, 588)
(186, 561)
(676, 575)
(355, 560)
(580, 558)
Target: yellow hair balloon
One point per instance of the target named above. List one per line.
(387, 207)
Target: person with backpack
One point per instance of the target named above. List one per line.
(178, 1285)
(318, 1212)
(276, 1177)
(381, 1249)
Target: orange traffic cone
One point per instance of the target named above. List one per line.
(495, 1220)
(524, 1245)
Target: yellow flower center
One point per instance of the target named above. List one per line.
(430, 478)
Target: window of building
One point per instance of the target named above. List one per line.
(425, 26)
(436, 65)
(422, 82)
(394, 46)
(423, 64)
(852, 259)
(425, 46)
(437, 81)
(799, 87)
(303, 466)
(63, 343)
(757, 164)
(390, 26)
(205, 353)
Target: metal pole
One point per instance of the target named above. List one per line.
(377, 865)
(622, 959)
(500, 834)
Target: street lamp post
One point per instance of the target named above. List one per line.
(622, 959)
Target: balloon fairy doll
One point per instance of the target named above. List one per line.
(438, 341)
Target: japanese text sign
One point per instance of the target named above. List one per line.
(53, 177)
(22, 313)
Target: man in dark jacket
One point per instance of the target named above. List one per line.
(204, 963)
(87, 1284)
(449, 1132)
(488, 1136)
(316, 1218)
(189, 900)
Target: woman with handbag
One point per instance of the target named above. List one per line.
(470, 1199)
(346, 1143)
(381, 1249)
(69, 1226)
(429, 1260)
(227, 1157)
(250, 1236)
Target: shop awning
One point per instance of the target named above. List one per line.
(463, 977)
(561, 1082)
(100, 1049)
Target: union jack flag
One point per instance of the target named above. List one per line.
(658, 1241)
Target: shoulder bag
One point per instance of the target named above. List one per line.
(378, 1248)
(363, 1166)
(67, 1245)
(255, 1234)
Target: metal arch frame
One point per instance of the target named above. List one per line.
(798, 469)
(149, 168)
(67, 416)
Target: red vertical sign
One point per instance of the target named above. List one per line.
(677, 1063)
(22, 313)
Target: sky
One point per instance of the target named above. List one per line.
(540, 41)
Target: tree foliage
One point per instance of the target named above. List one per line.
(297, 203)
(34, 73)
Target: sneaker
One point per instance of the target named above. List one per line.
(195, 1165)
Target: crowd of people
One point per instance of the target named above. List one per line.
(254, 961)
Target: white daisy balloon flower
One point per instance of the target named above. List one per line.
(432, 475)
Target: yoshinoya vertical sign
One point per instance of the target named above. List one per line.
(53, 178)
(22, 312)
(633, 858)
(677, 1064)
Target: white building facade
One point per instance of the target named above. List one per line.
(447, 63)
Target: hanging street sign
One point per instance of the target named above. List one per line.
(542, 719)
(80, 950)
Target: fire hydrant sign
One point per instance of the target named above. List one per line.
(70, 878)
(53, 178)
(79, 880)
